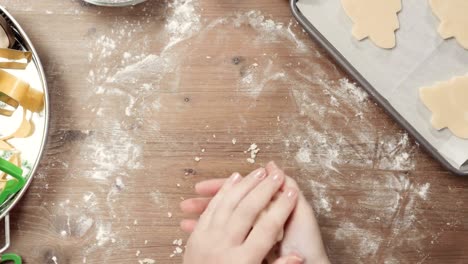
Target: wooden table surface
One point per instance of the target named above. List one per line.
(137, 93)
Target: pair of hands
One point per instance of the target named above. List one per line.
(241, 219)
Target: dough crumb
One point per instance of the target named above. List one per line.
(178, 242)
(253, 149)
(178, 249)
(234, 141)
(146, 261)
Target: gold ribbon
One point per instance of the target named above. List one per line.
(14, 92)
(5, 146)
(26, 129)
(15, 59)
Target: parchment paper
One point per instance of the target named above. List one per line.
(421, 58)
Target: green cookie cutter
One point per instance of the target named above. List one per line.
(10, 258)
(14, 185)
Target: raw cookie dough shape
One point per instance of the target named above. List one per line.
(453, 16)
(448, 102)
(376, 19)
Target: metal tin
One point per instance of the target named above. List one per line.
(115, 3)
(36, 72)
(348, 68)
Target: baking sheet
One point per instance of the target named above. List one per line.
(421, 58)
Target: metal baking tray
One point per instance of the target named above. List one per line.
(32, 148)
(377, 95)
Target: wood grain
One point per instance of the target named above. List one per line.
(111, 171)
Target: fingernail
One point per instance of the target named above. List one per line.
(291, 193)
(276, 176)
(259, 173)
(235, 177)
(294, 260)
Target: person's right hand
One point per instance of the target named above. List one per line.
(302, 234)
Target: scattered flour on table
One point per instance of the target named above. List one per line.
(321, 202)
(304, 154)
(159, 199)
(114, 191)
(255, 80)
(423, 191)
(184, 22)
(392, 201)
(365, 243)
(395, 154)
(83, 223)
(104, 234)
(75, 218)
(258, 76)
(269, 29)
(317, 143)
(116, 154)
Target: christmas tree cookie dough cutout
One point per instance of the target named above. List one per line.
(448, 104)
(453, 16)
(374, 19)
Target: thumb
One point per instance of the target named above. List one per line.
(290, 259)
